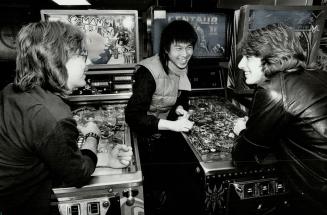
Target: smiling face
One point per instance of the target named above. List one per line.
(252, 68)
(180, 54)
(76, 67)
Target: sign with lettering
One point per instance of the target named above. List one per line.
(211, 30)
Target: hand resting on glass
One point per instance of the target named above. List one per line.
(240, 124)
(119, 156)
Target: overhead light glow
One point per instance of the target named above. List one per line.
(72, 2)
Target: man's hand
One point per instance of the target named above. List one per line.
(182, 124)
(179, 125)
(240, 124)
(89, 127)
(182, 113)
(120, 156)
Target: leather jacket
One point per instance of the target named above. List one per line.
(289, 118)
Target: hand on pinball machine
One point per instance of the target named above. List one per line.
(240, 124)
(90, 127)
(182, 113)
(182, 124)
(120, 156)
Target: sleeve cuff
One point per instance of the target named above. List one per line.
(90, 154)
(252, 143)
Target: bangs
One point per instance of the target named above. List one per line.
(184, 38)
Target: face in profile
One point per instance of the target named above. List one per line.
(180, 54)
(76, 67)
(252, 68)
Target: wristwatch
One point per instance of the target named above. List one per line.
(91, 134)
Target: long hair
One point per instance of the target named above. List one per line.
(176, 31)
(43, 49)
(277, 46)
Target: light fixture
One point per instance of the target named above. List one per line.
(72, 2)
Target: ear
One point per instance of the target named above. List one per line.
(266, 64)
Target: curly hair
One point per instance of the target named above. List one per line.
(43, 49)
(277, 46)
(176, 31)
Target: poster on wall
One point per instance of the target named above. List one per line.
(112, 35)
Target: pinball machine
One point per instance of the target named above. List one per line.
(110, 191)
(226, 189)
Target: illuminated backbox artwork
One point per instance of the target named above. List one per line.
(212, 28)
(112, 35)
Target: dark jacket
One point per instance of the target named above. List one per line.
(289, 118)
(38, 146)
